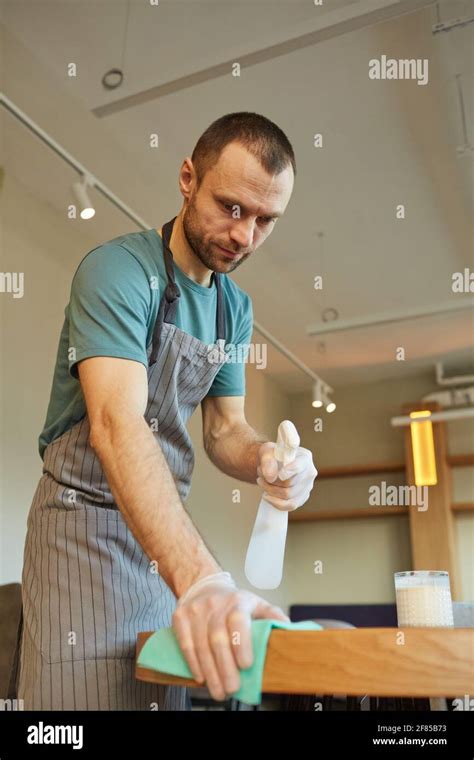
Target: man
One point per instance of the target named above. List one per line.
(110, 545)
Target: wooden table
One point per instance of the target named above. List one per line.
(432, 662)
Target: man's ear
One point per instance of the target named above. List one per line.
(187, 178)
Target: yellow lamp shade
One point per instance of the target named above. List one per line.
(422, 442)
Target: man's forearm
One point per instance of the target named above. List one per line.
(144, 489)
(235, 451)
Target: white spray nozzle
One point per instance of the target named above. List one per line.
(288, 442)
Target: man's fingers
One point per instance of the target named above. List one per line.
(215, 635)
(290, 474)
(288, 504)
(182, 628)
(282, 491)
(265, 610)
(239, 626)
(220, 642)
(294, 468)
(303, 461)
(200, 626)
(268, 463)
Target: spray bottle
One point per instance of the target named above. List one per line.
(266, 551)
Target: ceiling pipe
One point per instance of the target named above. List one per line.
(446, 416)
(363, 14)
(385, 318)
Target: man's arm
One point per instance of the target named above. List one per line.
(236, 449)
(230, 442)
(116, 394)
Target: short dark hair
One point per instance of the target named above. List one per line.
(260, 136)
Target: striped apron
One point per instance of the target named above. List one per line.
(88, 588)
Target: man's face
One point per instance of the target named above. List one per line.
(235, 208)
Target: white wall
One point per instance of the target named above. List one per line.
(37, 241)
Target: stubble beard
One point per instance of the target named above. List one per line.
(203, 251)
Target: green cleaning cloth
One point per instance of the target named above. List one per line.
(161, 652)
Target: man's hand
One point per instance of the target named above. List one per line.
(212, 622)
(290, 488)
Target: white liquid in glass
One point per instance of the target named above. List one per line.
(424, 606)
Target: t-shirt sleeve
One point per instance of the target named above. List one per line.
(109, 307)
(230, 380)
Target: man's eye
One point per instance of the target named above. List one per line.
(228, 206)
(267, 219)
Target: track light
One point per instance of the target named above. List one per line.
(317, 394)
(330, 405)
(321, 398)
(83, 200)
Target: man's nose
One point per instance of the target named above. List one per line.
(242, 232)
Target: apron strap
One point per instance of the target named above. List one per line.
(172, 292)
(221, 320)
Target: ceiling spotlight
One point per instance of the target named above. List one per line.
(83, 200)
(330, 405)
(317, 394)
(321, 398)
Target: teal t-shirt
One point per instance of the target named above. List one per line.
(112, 310)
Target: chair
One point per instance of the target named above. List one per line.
(10, 614)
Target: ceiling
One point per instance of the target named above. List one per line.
(384, 143)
